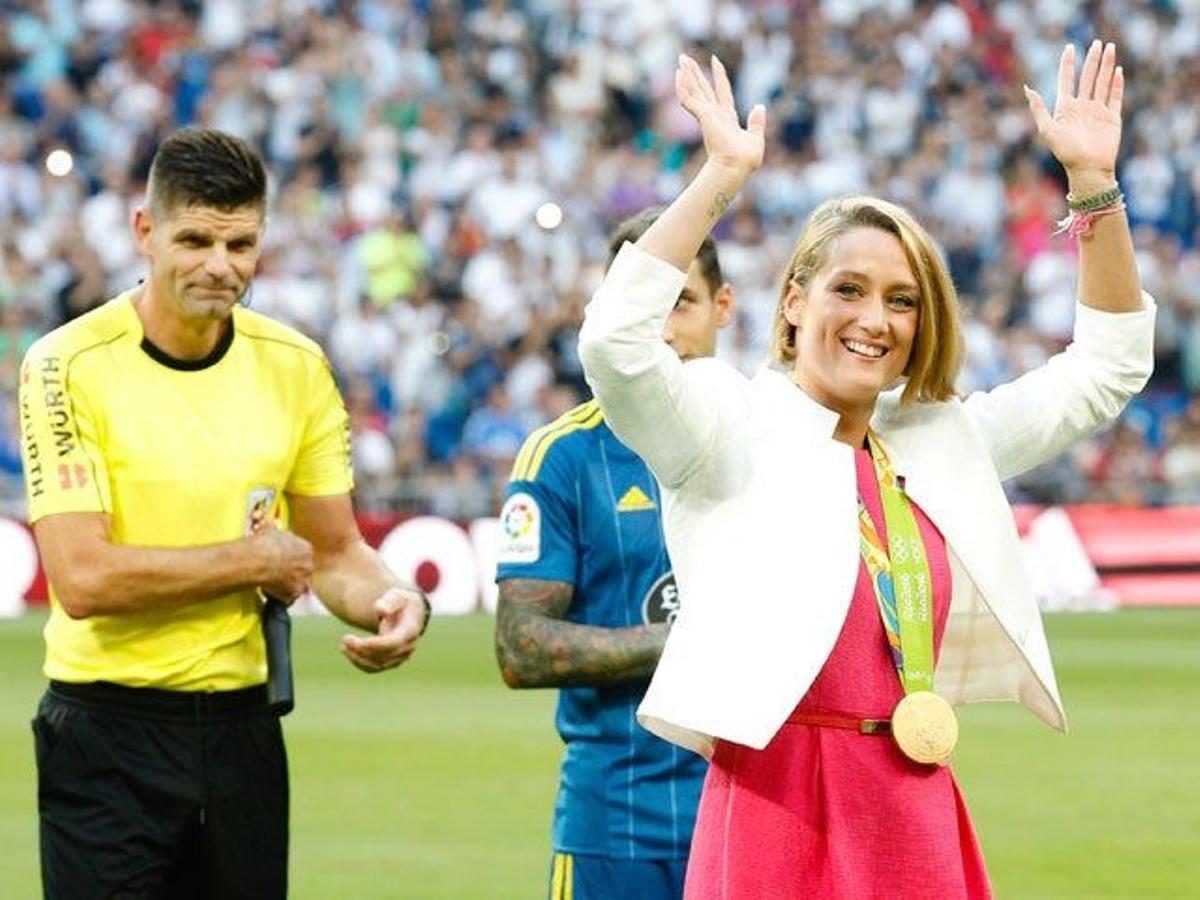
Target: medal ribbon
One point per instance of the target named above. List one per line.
(900, 576)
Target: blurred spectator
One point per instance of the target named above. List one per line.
(1124, 470)
(493, 434)
(1181, 458)
(411, 145)
(1148, 178)
(76, 276)
(1034, 204)
(371, 446)
(392, 258)
(970, 200)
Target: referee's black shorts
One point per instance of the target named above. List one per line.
(145, 793)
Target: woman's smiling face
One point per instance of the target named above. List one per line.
(856, 321)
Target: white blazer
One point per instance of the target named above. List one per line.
(759, 508)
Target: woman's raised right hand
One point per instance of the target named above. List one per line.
(730, 146)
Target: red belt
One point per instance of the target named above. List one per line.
(834, 720)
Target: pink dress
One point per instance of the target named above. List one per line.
(830, 813)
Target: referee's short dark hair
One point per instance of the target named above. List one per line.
(637, 225)
(206, 167)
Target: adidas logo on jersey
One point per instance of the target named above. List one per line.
(635, 500)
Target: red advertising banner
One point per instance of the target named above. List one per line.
(1084, 556)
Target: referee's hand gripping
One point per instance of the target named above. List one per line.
(401, 617)
(287, 563)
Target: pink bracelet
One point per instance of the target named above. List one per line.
(1077, 223)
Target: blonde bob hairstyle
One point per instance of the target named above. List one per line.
(937, 351)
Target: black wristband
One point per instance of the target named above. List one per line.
(428, 609)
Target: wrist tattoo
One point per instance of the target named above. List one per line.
(719, 205)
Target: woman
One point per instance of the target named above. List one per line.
(837, 523)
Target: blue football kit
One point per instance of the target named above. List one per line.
(582, 508)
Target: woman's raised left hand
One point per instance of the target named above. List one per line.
(1084, 132)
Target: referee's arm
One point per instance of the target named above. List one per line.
(91, 575)
(356, 586)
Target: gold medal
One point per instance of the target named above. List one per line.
(925, 728)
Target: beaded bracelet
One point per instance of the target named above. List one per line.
(1107, 197)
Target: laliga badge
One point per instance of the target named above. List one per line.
(520, 530)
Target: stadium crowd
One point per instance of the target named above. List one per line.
(444, 175)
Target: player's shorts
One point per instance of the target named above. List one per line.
(574, 876)
(145, 793)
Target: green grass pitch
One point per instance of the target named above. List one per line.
(436, 781)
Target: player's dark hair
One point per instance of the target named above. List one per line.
(206, 167)
(636, 225)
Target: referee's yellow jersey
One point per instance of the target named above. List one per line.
(179, 454)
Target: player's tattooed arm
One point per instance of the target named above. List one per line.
(535, 647)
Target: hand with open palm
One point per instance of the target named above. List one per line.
(1084, 131)
(728, 144)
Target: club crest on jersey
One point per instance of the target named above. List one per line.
(662, 601)
(260, 508)
(520, 530)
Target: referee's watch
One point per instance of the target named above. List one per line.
(428, 609)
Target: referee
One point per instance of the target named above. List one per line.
(185, 457)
